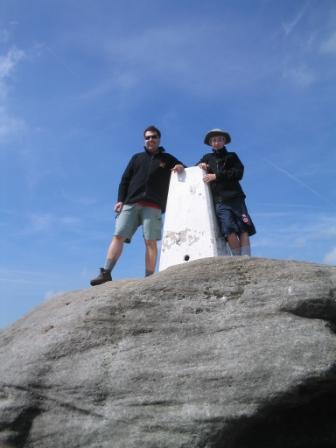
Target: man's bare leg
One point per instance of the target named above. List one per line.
(151, 255)
(113, 253)
(234, 244)
(245, 248)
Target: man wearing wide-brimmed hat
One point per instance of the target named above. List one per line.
(224, 170)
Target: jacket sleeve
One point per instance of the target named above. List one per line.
(172, 161)
(204, 159)
(125, 180)
(233, 169)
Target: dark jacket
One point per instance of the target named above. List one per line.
(229, 171)
(146, 178)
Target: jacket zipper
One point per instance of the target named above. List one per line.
(148, 172)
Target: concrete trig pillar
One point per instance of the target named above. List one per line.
(190, 228)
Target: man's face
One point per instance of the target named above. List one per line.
(217, 142)
(152, 141)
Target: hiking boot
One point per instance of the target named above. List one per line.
(103, 277)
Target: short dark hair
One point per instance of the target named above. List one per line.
(153, 129)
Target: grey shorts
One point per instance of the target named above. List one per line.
(132, 216)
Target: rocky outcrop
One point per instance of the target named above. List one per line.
(221, 352)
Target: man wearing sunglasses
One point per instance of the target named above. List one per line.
(142, 198)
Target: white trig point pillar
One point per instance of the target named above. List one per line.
(190, 228)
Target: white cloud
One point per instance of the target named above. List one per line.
(19, 276)
(51, 294)
(172, 55)
(41, 222)
(9, 61)
(330, 257)
(44, 222)
(318, 233)
(297, 180)
(4, 36)
(177, 55)
(329, 45)
(300, 76)
(290, 25)
(9, 124)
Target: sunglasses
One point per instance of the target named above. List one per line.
(153, 137)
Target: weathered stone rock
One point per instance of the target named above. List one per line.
(221, 352)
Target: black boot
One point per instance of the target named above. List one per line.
(103, 277)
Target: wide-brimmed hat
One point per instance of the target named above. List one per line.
(214, 132)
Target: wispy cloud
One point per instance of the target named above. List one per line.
(8, 63)
(60, 60)
(19, 276)
(305, 236)
(9, 124)
(298, 181)
(4, 35)
(329, 45)
(86, 201)
(44, 222)
(39, 222)
(51, 294)
(330, 257)
(290, 25)
(185, 59)
(301, 76)
(179, 57)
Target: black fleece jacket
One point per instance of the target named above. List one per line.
(146, 178)
(229, 171)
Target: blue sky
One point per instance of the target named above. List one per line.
(81, 79)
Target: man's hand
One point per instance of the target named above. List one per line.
(209, 178)
(118, 206)
(178, 168)
(203, 166)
